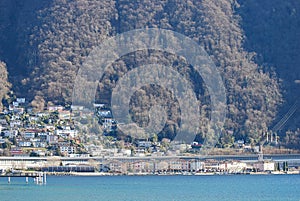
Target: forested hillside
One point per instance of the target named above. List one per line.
(4, 84)
(254, 45)
(272, 30)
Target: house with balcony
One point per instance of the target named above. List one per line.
(55, 108)
(24, 143)
(67, 149)
(52, 139)
(64, 114)
(16, 124)
(29, 133)
(66, 132)
(2, 141)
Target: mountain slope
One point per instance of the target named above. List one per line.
(272, 30)
(58, 35)
(4, 84)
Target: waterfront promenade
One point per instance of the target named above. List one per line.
(39, 162)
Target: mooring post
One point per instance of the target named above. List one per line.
(40, 178)
(8, 180)
(26, 180)
(45, 178)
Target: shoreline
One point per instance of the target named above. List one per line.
(100, 174)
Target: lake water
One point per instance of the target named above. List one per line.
(155, 188)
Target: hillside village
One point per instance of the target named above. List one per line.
(61, 131)
(28, 133)
(69, 131)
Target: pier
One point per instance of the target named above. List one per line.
(38, 177)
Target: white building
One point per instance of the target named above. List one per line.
(66, 133)
(234, 166)
(264, 166)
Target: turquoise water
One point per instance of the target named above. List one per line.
(155, 188)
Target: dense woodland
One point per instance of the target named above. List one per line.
(254, 44)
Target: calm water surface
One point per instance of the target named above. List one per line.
(155, 188)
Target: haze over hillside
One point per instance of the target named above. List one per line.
(254, 44)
